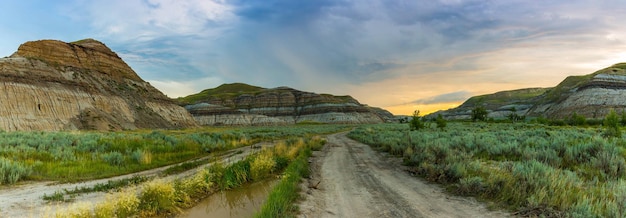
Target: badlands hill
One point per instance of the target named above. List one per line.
(593, 96)
(53, 85)
(243, 104)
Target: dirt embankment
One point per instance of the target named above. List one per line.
(349, 179)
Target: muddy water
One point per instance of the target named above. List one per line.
(240, 202)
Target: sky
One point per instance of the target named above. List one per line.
(400, 55)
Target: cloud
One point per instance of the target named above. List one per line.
(445, 98)
(376, 50)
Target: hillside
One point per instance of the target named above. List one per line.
(592, 95)
(53, 85)
(499, 104)
(243, 104)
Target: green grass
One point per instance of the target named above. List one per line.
(79, 156)
(534, 170)
(111, 185)
(161, 198)
(223, 91)
(184, 167)
(286, 192)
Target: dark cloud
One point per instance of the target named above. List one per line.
(445, 98)
(281, 11)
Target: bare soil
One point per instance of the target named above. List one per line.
(349, 179)
(25, 199)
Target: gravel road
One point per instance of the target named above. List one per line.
(349, 179)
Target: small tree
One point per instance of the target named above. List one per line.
(416, 123)
(479, 113)
(577, 120)
(611, 123)
(623, 120)
(441, 122)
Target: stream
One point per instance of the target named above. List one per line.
(244, 201)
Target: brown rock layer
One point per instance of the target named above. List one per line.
(53, 85)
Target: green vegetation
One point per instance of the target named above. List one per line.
(416, 122)
(533, 169)
(441, 122)
(506, 97)
(222, 91)
(11, 172)
(281, 199)
(111, 185)
(611, 123)
(79, 156)
(479, 114)
(159, 198)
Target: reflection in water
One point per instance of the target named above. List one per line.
(240, 202)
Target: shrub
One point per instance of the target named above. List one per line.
(113, 158)
(611, 123)
(471, 186)
(610, 162)
(479, 114)
(11, 172)
(416, 123)
(142, 156)
(441, 122)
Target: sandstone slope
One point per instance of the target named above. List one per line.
(53, 85)
(593, 96)
(242, 104)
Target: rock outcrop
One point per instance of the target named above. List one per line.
(51, 85)
(499, 104)
(242, 104)
(593, 96)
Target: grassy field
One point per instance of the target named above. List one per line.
(78, 156)
(161, 198)
(532, 169)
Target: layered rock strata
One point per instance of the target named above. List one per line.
(277, 106)
(52, 85)
(593, 96)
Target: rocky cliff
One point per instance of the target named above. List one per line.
(499, 104)
(592, 96)
(242, 104)
(53, 85)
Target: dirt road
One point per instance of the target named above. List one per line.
(25, 200)
(349, 179)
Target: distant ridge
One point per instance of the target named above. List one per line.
(592, 95)
(243, 104)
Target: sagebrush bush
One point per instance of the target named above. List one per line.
(564, 171)
(471, 186)
(142, 156)
(113, 158)
(12, 172)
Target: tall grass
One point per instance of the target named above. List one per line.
(77, 156)
(281, 199)
(159, 198)
(532, 169)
